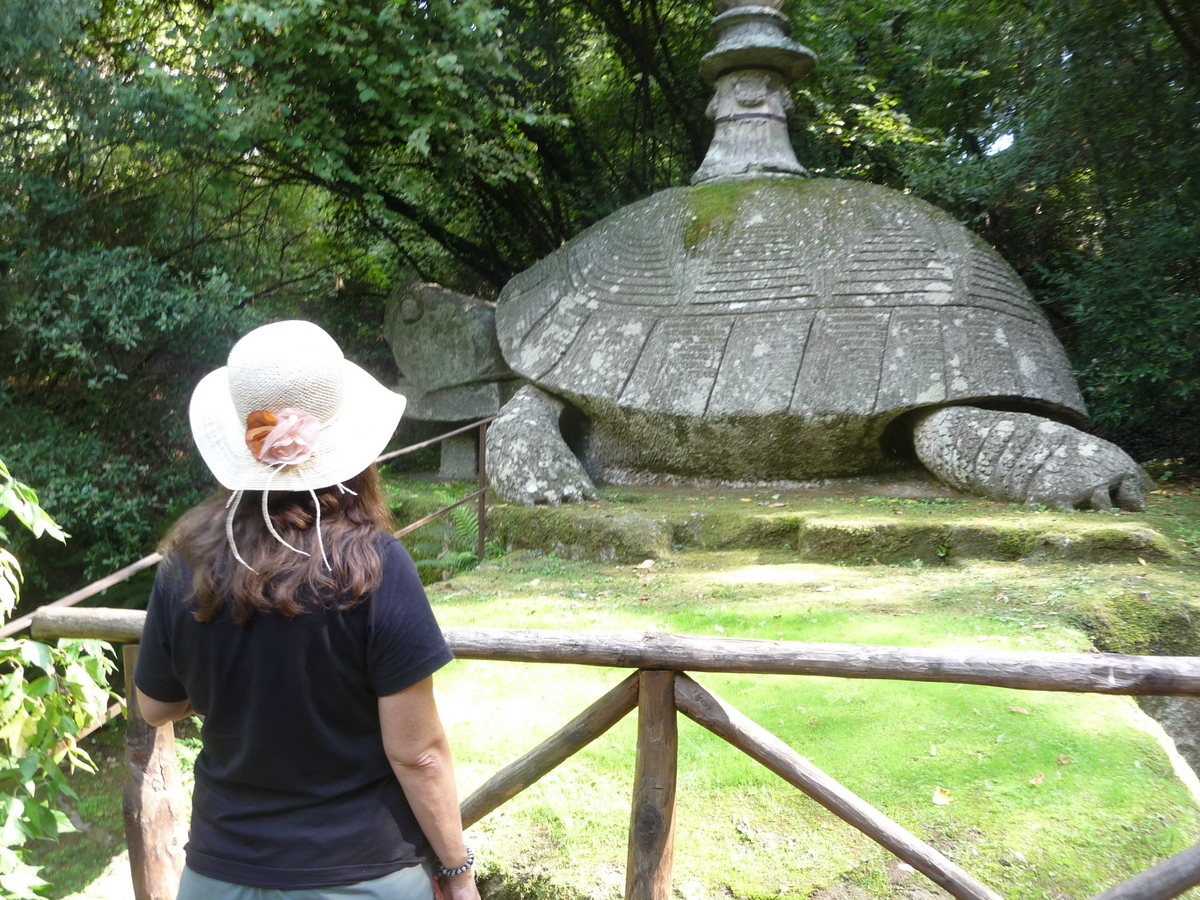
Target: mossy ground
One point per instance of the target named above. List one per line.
(845, 524)
(1052, 795)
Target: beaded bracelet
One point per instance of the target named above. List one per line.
(443, 872)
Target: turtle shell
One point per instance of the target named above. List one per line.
(802, 314)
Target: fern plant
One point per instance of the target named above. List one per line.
(448, 545)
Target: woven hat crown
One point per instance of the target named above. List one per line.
(287, 364)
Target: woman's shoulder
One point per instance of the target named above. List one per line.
(174, 574)
(391, 550)
(399, 575)
(174, 591)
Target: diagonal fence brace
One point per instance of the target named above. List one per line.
(763, 747)
(1168, 879)
(564, 743)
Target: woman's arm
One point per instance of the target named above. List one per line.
(157, 713)
(417, 748)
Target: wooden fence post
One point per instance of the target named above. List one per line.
(652, 820)
(154, 811)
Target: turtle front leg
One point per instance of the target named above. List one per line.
(1022, 458)
(527, 459)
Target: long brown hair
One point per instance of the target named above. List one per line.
(283, 580)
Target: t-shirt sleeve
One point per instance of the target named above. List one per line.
(155, 674)
(405, 644)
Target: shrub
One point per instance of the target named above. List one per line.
(48, 696)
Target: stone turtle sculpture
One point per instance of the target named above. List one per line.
(762, 325)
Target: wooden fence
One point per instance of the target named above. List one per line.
(659, 688)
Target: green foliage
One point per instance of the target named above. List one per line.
(415, 78)
(1095, 201)
(115, 501)
(1136, 309)
(393, 109)
(101, 348)
(21, 500)
(93, 317)
(448, 545)
(111, 299)
(48, 695)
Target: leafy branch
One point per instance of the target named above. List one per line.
(49, 695)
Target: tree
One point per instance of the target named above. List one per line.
(1095, 201)
(127, 266)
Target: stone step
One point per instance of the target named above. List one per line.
(631, 535)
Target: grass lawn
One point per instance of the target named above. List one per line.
(1050, 795)
(1038, 795)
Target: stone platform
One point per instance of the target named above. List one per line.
(633, 527)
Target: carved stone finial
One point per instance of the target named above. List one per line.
(752, 65)
(724, 5)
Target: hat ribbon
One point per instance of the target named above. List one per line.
(279, 440)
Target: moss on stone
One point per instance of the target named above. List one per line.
(582, 533)
(657, 528)
(713, 209)
(875, 541)
(979, 540)
(1132, 622)
(721, 531)
(1102, 545)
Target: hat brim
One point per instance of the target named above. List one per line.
(346, 445)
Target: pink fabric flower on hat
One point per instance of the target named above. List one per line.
(288, 440)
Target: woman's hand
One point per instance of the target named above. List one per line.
(459, 887)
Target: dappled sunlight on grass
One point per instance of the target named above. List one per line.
(1026, 776)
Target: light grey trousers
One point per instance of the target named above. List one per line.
(412, 883)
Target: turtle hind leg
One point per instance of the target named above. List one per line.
(528, 461)
(1128, 495)
(1023, 458)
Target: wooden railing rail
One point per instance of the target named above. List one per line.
(22, 622)
(1089, 673)
(659, 688)
(413, 448)
(474, 495)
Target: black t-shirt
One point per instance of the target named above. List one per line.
(293, 788)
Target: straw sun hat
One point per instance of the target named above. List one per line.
(290, 412)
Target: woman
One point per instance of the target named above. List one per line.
(287, 616)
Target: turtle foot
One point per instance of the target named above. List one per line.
(1023, 458)
(527, 459)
